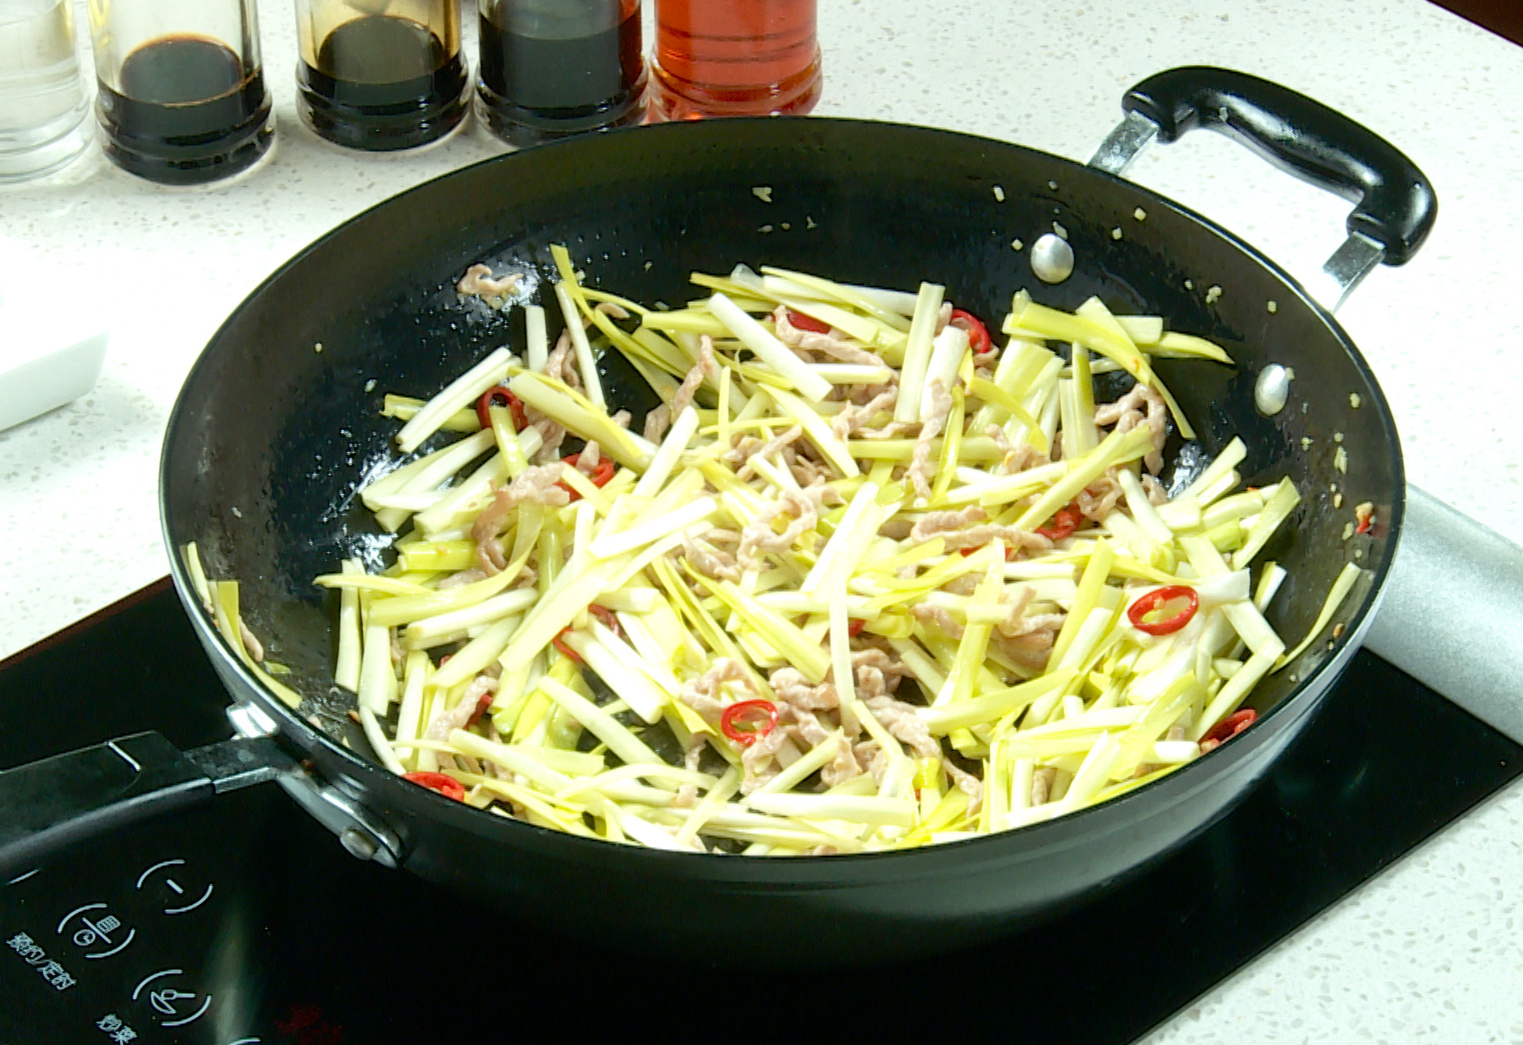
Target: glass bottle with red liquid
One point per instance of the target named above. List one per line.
(734, 58)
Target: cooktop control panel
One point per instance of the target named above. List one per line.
(140, 937)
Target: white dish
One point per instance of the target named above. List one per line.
(52, 344)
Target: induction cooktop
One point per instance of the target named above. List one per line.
(243, 922)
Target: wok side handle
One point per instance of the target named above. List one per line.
(59, 801)
(1396, 204)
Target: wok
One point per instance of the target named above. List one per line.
(271, 436)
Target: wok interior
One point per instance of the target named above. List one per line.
(284, 432)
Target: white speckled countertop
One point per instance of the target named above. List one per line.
(1427, 952)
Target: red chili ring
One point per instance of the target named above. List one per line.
(599, 477)
(604, 614)
(482, 703)
(854, 627)
(1064, 522)
(565, 649)
(978, 334)
(443, 783)
(500, 394)
(1229, 727)
(1158, 597)
(809, 323)
(746, 708)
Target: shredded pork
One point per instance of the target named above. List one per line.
(537, 485)
(561, 363)
(803, 509)
(824, 344)
(764, 450)
(1141, 405)
(478, 281)
(930, 427)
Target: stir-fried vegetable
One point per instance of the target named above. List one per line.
(864, 582)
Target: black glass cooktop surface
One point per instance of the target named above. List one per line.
(244, 923)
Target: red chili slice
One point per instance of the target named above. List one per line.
(1156, 600)
(978, 334)
(484, 702)
(443, 783)
(599, 476)
(854, 627)
(565, 649)
(501, 397)
(604, 614)
(809, 323)
(1228, 728)
(1064, 522)
(747, 721)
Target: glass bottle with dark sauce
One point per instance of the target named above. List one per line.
(381, 81)
(184, 108)
(550, 68)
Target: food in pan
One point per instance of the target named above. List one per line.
(865, 580)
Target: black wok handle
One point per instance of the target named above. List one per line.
(1396, 204)
(51, 804)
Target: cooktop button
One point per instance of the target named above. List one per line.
(94, 926)
(171, 1006)
(180, 897)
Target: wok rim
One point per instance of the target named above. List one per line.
(1186, 781)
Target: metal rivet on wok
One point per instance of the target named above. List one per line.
(1052, 259)
(358, 843)
(1272, 390)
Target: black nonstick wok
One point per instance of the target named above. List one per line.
(279, 422)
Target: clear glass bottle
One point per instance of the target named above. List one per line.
(550, 68)
(182, 96)
(380, 75)
(43, 102)
(734, 58)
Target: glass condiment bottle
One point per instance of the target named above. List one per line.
(380, 75)
(734, 58)
(44, 104)
(182, 96)
(550, 68)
